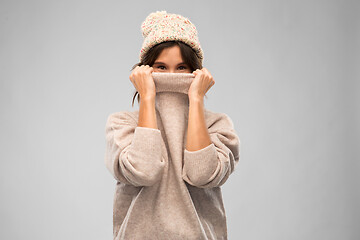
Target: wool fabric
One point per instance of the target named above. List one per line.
(163, 191)
(161, 26)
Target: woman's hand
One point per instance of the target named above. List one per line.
(202, 82)
(143, 81)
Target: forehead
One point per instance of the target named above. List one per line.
(170, 54)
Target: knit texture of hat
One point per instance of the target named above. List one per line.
(161, 26)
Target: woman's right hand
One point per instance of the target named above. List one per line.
(143, 81)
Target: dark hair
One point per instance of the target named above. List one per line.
(187, 53)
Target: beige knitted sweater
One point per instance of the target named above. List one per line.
(164, 191)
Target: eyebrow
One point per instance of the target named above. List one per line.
(165, 64)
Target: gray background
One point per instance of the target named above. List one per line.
(286, 72)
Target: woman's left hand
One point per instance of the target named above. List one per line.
(202, 82)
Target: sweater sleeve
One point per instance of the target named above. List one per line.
(212, 165)
(133, 154)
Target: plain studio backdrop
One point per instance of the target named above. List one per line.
(286, 72)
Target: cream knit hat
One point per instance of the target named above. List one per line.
(161, 26)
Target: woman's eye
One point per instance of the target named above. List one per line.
(163, 67)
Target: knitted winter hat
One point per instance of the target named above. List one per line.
(161, 26)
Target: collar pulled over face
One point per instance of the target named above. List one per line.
(172, 82)
(172, 106)
(172, 100)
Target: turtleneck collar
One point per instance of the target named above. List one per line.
(172, 93)
(172, 107)
(172, 82)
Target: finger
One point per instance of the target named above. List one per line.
(198, 71)
(205, 71)
(208, 88)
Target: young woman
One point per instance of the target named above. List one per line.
(171, 156)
